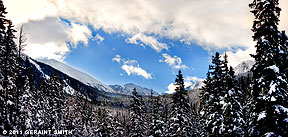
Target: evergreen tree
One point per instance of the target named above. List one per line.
(56, 102)
(42, 113)
(3, 23)
(137, 116)
(180, 116)
(269, 89)
(232, 108)
(116, 126)
(212, 96)
(102, 126)
(157, 118)
(27, 100)
(9, 75)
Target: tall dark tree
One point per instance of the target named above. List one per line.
(232, 108)
(156, 125)
(27, 100)
(55, 97)
(9, 75)
(3, 23)
(269, 89)
(137, 116)
(180, 115)
(212, 96)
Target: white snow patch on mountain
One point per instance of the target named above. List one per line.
(244, 67)
(38, 68)
(127, 89)
(76, 74)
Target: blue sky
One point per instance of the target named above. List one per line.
(96, 60)
(144, 41)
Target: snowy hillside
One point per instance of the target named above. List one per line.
(76, 74)
(128, 88)
(195, 85)
(243, 67)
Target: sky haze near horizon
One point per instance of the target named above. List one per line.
(140, 41)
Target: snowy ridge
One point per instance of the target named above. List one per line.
(38, 67)
(76, 74)
(196, 85)
(244, 67)
(128, 88)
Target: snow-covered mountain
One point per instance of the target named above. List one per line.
(78, 75)
(196, 85)
(128, 88)
(243, 67)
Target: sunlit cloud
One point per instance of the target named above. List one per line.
(131, 67)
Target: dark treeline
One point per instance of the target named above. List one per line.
(230, 106)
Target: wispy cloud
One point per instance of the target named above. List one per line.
(98, 38)
(142, 40)
(131, 67)
(174, 62)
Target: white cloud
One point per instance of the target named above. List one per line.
(171, 88)
(131, 67)
(52, 31)
(47, 50)
(220, 24)
(98, 38)
(136, 70)
(80, 33)
(147, 40)
(117, 58)
(23, 11)
(174, 62)
(188, 81)
(212, 24)
(235, 58)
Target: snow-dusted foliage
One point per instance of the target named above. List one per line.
(211, 96)
(232, 107)
(138, 125)
(221, 108)
(180, 115)
(157, 124)
(269, 71)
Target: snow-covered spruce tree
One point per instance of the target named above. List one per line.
(103, 126)
(232, 108)
(180, 115)
(138, 126)
(42, 116)
(117, 128)
(213, 94)
(3, 23)
(76, 111)
(56, 101)
(156, 126)
(269, 89)
(9, 75)
(27, 102)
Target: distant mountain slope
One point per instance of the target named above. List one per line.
(243, 67)
(196, 85)
(76, 74)
(128, 88)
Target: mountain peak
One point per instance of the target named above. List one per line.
(244, 67)
(128, 88)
